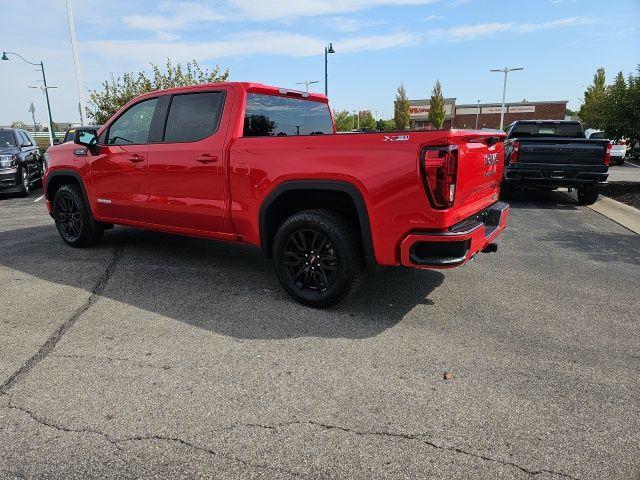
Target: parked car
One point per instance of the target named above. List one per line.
(254, 164)
(618, 153)
(20, 161)
(71, 131)
(548, 154)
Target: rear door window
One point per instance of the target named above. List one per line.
(24, 139)
(270, 115)
(193, 116)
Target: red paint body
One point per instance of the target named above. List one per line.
(168, 187)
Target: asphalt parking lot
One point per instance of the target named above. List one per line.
(156, 356)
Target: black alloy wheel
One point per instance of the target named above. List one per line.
(317, 255)
(68, 218)
(73, 219)
(310, 260)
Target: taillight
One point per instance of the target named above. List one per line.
(439, 173)
(607, 155)
(515, 148)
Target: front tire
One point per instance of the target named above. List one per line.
(73, 218)
(25, 182)
(587, 197)
(318, 257)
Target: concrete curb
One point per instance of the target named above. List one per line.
(620, 213)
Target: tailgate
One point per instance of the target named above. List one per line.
(480, 163)
(559, 151)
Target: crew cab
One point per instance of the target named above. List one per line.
(548, 154)
(249, 163)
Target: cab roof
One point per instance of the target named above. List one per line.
(251, 87)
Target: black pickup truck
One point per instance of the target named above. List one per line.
(548, 154)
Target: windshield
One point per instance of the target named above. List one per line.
(547, 129)
(7, 139)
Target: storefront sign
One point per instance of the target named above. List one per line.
(423, 110)
(492, 109)
(522, 109)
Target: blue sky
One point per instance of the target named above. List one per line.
(378, 43)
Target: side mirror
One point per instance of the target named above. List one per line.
(87, 137)
(56, 141)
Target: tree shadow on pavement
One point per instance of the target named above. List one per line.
(226, 288)
(600, 246)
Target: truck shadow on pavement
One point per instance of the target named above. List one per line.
(537, 199)
(229, 289)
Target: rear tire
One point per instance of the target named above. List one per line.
(587, 197)
(317, 255)
(73, 218)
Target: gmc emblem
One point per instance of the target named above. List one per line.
(491, 159)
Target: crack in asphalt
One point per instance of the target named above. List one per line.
(405, 436)
(395, 435)
(116, 442)
(62, 428)
(59, 332)
(211, 452)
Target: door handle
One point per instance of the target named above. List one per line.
(207, 158)
(136, 158)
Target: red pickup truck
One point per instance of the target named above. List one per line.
(245, 162)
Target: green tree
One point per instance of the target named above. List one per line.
(592, 111)
(344, 121)
(380, 125)
(117, 91)
(436, 106)
(616, 109)
(367, 122)
(390, 125)
(633, 107)
(401, 109)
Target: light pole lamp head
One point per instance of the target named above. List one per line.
(4, 56)
(330, 49)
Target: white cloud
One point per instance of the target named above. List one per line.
(472, 32)
(174, 16)
(430, 18)
(270, 10)
(350, 24)
(248, 43)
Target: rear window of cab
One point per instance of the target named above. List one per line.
(274, 116)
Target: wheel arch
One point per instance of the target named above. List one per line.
(58, 178)
(308, 194)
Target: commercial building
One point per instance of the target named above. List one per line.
(487, 115)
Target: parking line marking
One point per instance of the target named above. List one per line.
(627, 161)
(38, 199)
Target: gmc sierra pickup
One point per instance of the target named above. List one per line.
(547, 154)
(245, 162)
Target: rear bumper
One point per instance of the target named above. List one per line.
(556, 176)
(459, 244)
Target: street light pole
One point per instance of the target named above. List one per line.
(44, 82)
(477, 114)
(506, 71)
(306, 84)
(76, 61)
(327, 51)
